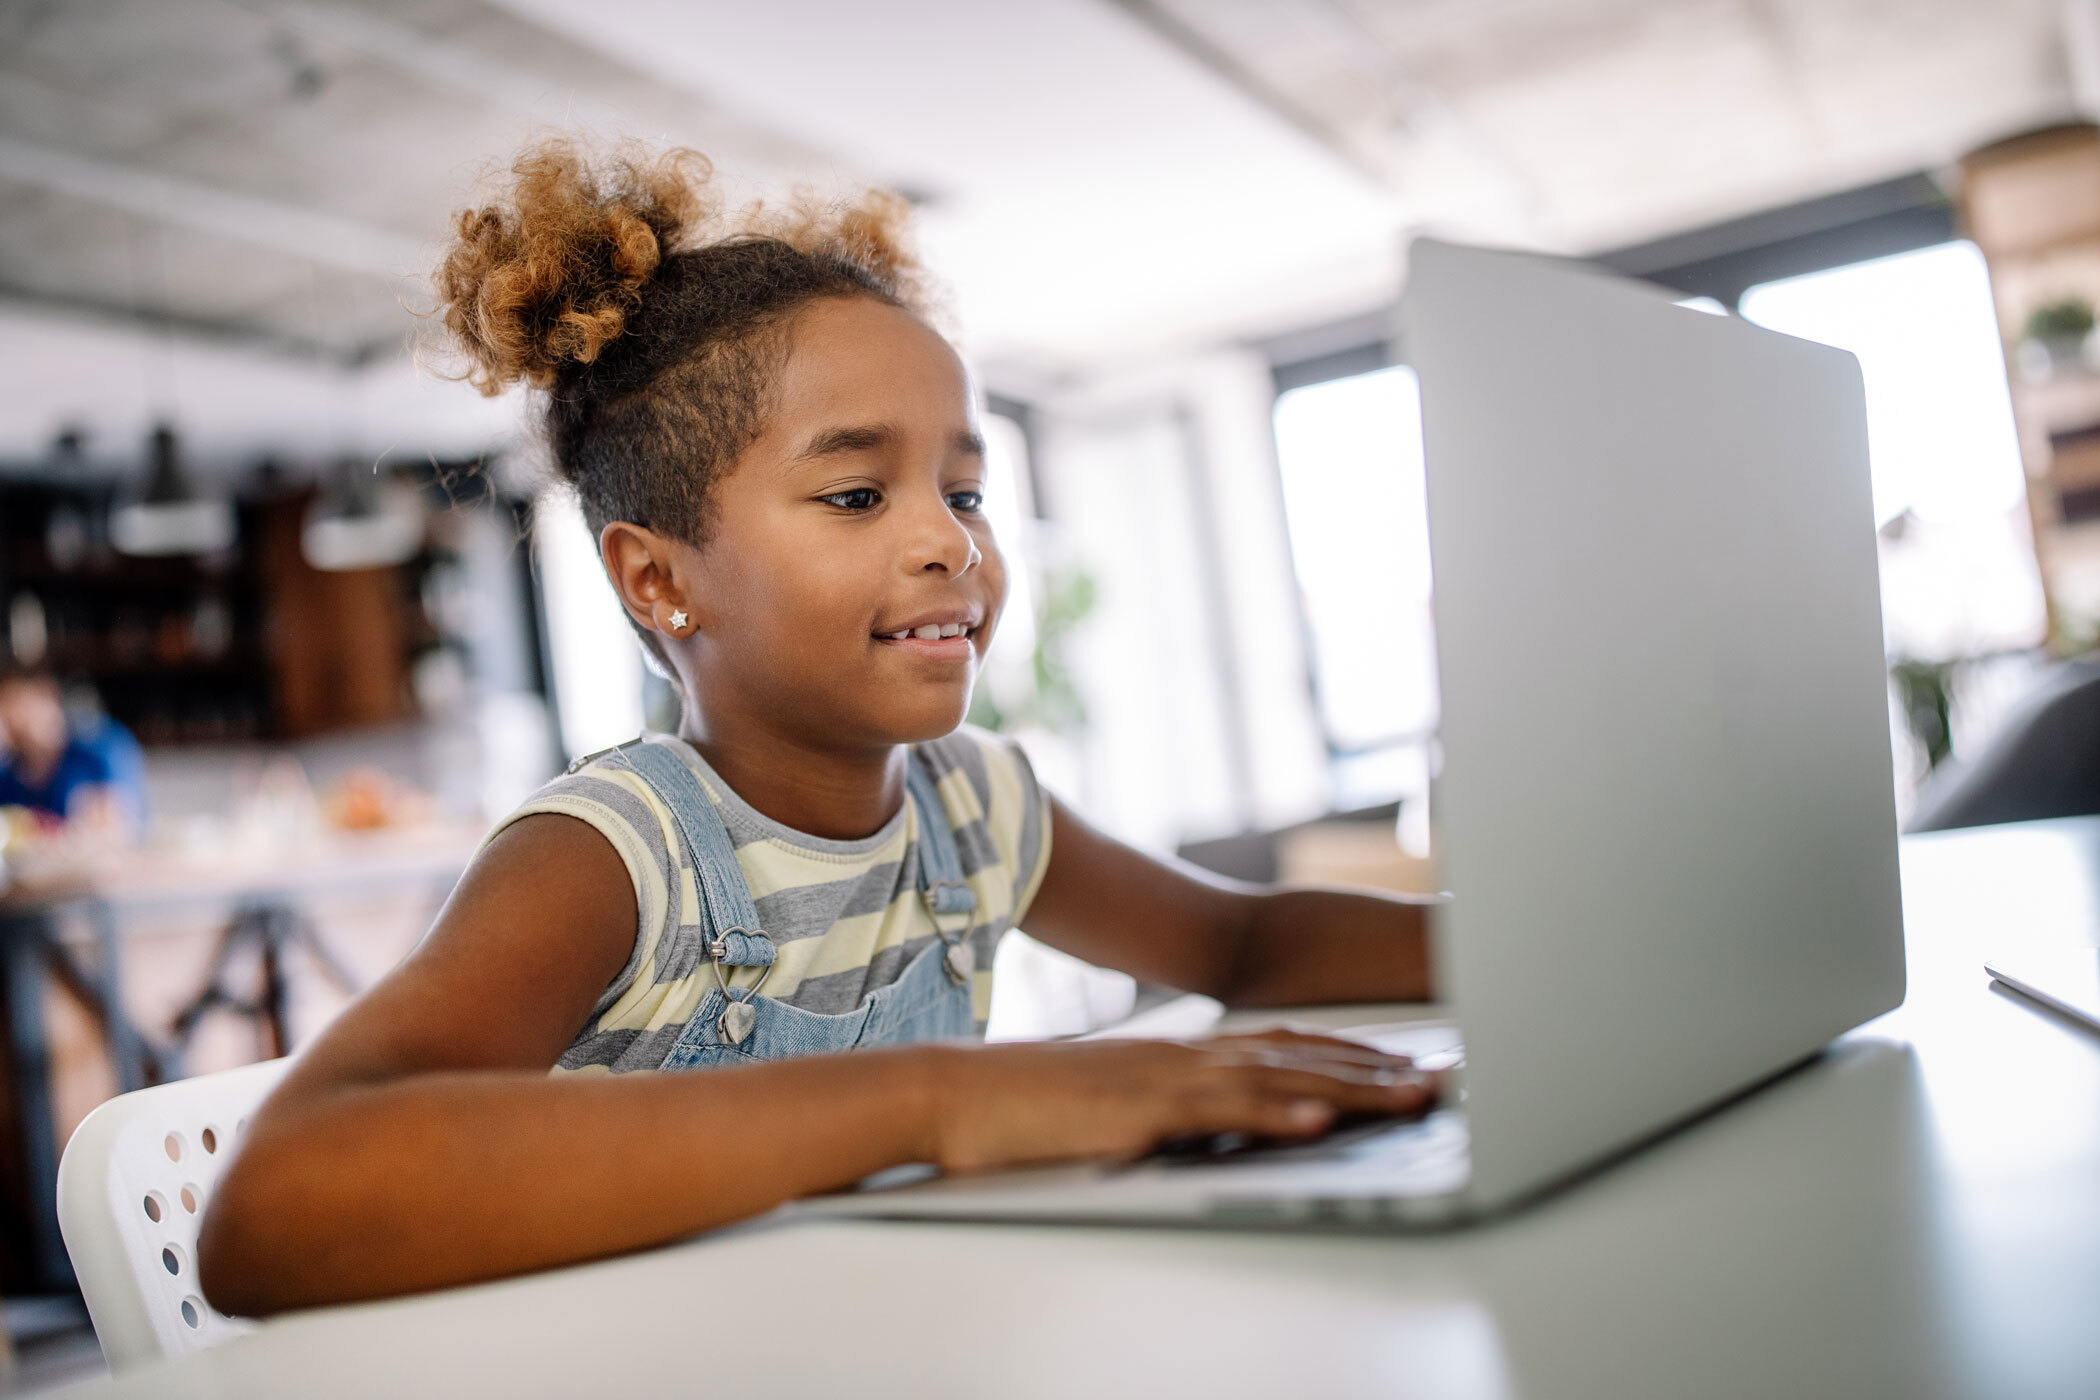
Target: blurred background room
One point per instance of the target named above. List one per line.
(285, 621)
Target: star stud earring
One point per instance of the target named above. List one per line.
(678, 621)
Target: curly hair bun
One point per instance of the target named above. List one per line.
(550, 273)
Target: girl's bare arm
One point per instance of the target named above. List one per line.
(1168, 922)
(421, 1142)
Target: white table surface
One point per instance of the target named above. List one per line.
(1916, 1215)
(331, 862)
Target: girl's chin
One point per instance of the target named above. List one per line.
(928, 715)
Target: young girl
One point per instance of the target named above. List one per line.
(781, 462)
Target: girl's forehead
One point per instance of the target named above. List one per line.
(865, 354)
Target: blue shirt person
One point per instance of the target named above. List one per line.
(53, 764)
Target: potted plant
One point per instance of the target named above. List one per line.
(1926, 691)
(2055, 337)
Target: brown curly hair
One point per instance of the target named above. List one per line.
(652, 323)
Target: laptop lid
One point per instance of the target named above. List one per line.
(1666, 804)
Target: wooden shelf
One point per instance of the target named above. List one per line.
(170, 575)
(2032, 203)
(307, 652)
(98, 664)
(2059, 405)
(2029, 195)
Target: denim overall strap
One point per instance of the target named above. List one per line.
(941, 884)
(730, 930)
(729, 920)
(734, 937)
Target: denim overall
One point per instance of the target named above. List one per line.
(930, 1001)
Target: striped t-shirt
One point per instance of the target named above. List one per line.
(845, 915)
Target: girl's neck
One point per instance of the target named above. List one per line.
(836, 794)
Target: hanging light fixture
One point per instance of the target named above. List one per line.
(361, 522)
(66, 538)
(361, 519)
(168, 516)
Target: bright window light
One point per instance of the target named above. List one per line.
(1007, 495)
(1958, 571)
(593, 653)
(1350, 454)
(1939, 416)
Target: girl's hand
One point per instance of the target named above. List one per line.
(1008, 1105)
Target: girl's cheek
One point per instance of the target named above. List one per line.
(994, 566)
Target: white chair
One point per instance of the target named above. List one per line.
(131, 1191)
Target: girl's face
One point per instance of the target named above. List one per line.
(850, 582)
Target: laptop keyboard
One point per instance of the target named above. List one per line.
(1206, 1149)
(1432, 1045)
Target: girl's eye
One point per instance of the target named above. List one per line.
(966, 500)
(859, 498)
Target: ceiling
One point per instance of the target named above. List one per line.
(1099, 180)
(283, 169)
(1586, 124)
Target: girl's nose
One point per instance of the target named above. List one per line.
(941, 543)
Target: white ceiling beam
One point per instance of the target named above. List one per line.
(439, 62)
(1226, 65)
(952, 90)
(308, 234)
(1096, 192)
(550, 99)
(1421, 106)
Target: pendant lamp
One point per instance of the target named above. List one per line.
(168, 516)
(361, 522)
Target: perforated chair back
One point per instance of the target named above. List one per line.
(131, 1191)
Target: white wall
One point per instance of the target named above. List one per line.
(232, 403)
(1163, 480)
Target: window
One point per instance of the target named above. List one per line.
(1009, 499)
(1959, 577)
(594, 661)
(1350, 455)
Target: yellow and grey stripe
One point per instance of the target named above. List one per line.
(845, 914)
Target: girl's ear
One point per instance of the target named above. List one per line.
(643, 567)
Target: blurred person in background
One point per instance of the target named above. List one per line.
(84, 771)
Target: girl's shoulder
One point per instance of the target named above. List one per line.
(621, 808)
(614, 800)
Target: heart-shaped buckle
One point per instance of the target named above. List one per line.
(737, 1021)
(740, 1016)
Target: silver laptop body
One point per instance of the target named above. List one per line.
(1666, 806)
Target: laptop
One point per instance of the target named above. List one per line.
(1666, 805)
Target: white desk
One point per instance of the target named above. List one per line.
(1917, 1215)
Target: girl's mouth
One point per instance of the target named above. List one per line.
(933, 640)
(929, 633)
